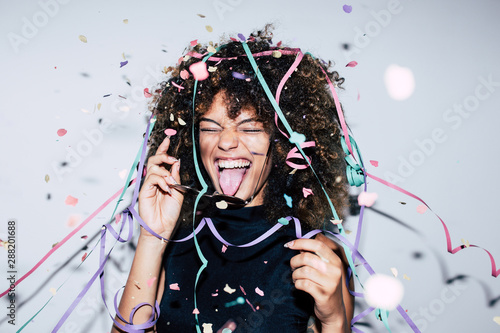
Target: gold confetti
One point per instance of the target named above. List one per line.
(221, 204)
(212, 69)
(497, 319)
(211, 49)
(277, 54)
(228, 289)
(292, 172)
(348, 232)
(98, 106)
(47, 178)
(83, 38)
(125, 21)
(465, 242)
(53, 291)
(338, 179)
(172, 117)
(123, 55)
(394, 271)
(209, 28)
(406, 277)
(181, 122)
(201, 15)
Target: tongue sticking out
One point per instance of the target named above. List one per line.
(230, 180)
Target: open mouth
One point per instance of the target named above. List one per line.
(231, 174)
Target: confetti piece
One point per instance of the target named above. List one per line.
(207, 328)
(293, 172)
(259, 292)
(146, 93)
(221, 204)
(374, 163)
(215, 294)
(73, 221)
(406, 277)
(347, 8)
(265, 261)
(283, 221)
(402, 202)
(334, 221)
(71, 201)
(239, 76)
(212, 69)
(125, 21)
(383, 291)
(54, 245)
(195, 311)
(288, 200)
(84, 256)
(170, 132)
(465, 242)
(98, 106)
(199, 70)
(307, 192)
(123, 63)
(53, 291)
(394, 271)
(243, 291)
(211, 49)
(421, 208)
(172, 118)
(228, 289)
(367, 198)
(122, 174)
(352, 64)
(47, 178)
(173, 286)
(276, 54)
(193, 43)
(399, 82)
(338, 179)
(82, 38)
(242, 37)
(201, 15)
(209, 28)
(297, 138)
(224, 248)
(61, 132)
(496, 320)
(184, 74)
(84, 237)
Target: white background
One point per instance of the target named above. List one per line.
(51, 80)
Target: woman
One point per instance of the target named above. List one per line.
(282, 283)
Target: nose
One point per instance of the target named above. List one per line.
(228, 140)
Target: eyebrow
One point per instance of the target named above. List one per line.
(244, 121)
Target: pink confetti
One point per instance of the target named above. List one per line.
(307, 192)
(184, 74)
(224, 248)
(367, 199)
(153, 279)
(374, 163)
(195, 311)
(61, 132)
(73, 221)
(199, 70)
(71, 201)
(146, 93)
(118, 218)
(352, 64)
(421, 208)
(84, 256)
(215, 294)
(248, 302)
(84, 237)
(259, 292)
(265, 261)
(359, 96)
(170, 132)
(194, 42)
(347, 8)
(243, 291)
(175, 286)
(178, 86)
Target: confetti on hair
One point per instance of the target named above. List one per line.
(199, 70)
(239, 76)
(82, 38)
(194, 42)
(211, 49)
(288, 200)
(297, 138)
(179, 87)
(47, 178)
(307, 192)
(212, 69)
(61, 132)
(196, 311)
(374, 163)
(276, 54)
(367, 198)
(394, 271)
(71, 201)
(221, 204)
(207, 328)
(421, 208)
(347, 8)
(242, 37)
(184, 74)
(147, 94)
(383, 291)
(228, 289)
(209, 28)
(293, 171)
(283, 221)
(125, 21)
(172, 118)
(170, 132)
(123, 63)
(352, 64)
(259, 292)
(53, 291)
(84, 256)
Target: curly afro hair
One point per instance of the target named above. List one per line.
(305, 100)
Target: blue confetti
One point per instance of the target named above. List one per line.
(123, 63)
(297, 138)
(288, 200)
(283, 220)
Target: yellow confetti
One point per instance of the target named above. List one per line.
(209, 28)
(47, 178)
(406, 277)
(181, 122)
(172, 117)
(212, 69)
(53, 291)
(394, 271)
(201, 15)
(98, 106)
(123, 55)
(186, 57)
(83, 38)
(54, 245)
(125, 21)
(277, 54)
(497, 319)
(292, 172)
(211, 49)
(465, 242)
(348, 232)
(228, 289)
(221, 204)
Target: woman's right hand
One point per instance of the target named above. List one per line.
(160, 205)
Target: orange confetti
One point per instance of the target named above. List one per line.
(194, 42)
(84, 256)
(71, 201)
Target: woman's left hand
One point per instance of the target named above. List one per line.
(319, 271)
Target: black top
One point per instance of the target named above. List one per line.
(266, 265)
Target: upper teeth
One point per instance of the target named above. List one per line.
(230, 164)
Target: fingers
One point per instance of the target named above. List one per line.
(319, 248)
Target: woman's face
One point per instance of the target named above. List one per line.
(234, 151)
